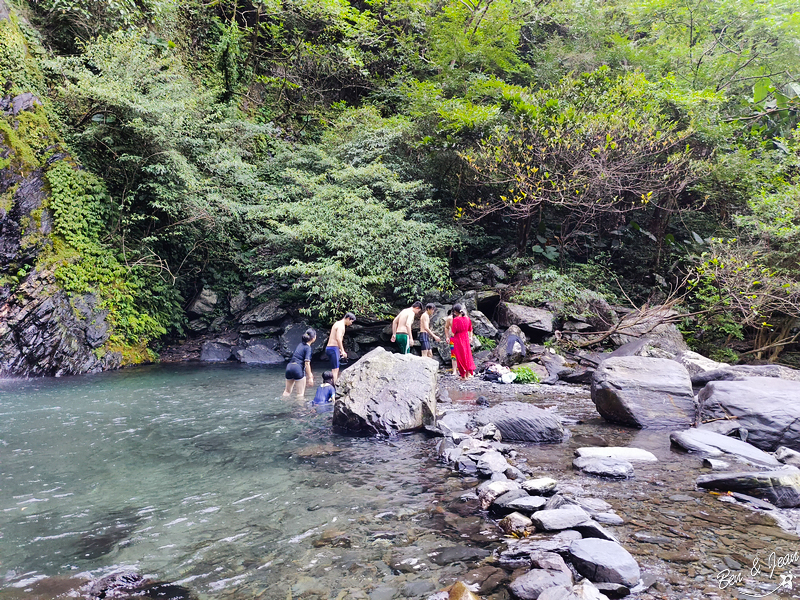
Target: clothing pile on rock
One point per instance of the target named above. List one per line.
(499, 373)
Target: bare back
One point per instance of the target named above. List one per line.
(405, 320)
(337, 334)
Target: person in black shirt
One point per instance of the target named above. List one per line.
(298, 371)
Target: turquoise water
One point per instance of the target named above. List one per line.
(205, 476)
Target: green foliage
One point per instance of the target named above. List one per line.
(487, 343)
(347, 248)
(560, 291)
(525, 375)
(79, 202)
(19, 71)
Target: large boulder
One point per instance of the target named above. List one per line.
(293, 335)
(527, 317)
(258, 353)
(266, 312)
(204, 304)
(386, 393)
(767, 407)
(780, 486)
(523, 422)
(644, 392)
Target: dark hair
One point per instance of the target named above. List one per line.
(458, 309)
(417, 304)
(327, 377)
(309, 335)
(350, 316)
(430, 305)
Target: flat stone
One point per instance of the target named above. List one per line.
(590, 529)
(781, 487)
(506, 503)
(528, 504)
(617, 452)
(541, 486)
(523, 422)
(559, 518)
(453, 554)
(604, 467)
(608, 518)
(716, 465)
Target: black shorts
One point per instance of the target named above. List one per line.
(295, 371)
(425, 341)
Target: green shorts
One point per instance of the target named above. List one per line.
(401, 339)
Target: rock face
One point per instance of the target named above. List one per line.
(385, 393)
(767, 407)
(651, 325)
(522, 422)
(644, 392)
(258, 354)
(43, 333)
(716, 444)
(204, 303)
(781, 486)
(535, 319)
(604, 561)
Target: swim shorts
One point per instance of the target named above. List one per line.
(294, 371)
(333, 354)
(425, 341)
(453, 348)
(402, 343)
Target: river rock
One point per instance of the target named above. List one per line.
(216, 352)
(523, 422)
(258, 354)
(453, 554)
(514, 523)
(385, 393)
(481, 325)
(608, 518)
(715, 444)
(491, 490)
(204, 304)
(490, 462)
(611, 468)
(560, 518)
(510, 350)
(604, 561)
(535, 319)
(506, 503)
(585, 590)
(697, 363)
(540, 486)
(741, 372)
(531, 585)
(637, 325)
(527, 504)
(787, 456)
(767, 407)
(617, 452)
(266, 312)
(292, 336)
(780, 486)
(644, 392)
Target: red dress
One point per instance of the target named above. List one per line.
(462, 326)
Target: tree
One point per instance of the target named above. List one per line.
(591, 146)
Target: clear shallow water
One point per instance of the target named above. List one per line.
(205, 476)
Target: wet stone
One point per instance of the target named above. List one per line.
(560, 518)
(527, 505)
(608, 518)
(604, 467)
(453, 554)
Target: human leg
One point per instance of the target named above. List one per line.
(289, 386)
(301, 386)
(333, 355)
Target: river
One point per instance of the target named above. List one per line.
(204, 476)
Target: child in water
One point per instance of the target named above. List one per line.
(326, 392)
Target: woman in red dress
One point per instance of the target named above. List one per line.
(462, 333)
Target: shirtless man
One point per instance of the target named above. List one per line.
(335, 347)
(448, 334)
(425, 332)
(401, 327)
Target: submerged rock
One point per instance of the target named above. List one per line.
(781, 486)
(616, 452)
(644, 392)
(611, 468)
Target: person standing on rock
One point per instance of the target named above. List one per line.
(462, 334)
(335, 347)
(425, 332)
(298, 371)
(401, 327)
(448, 334)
